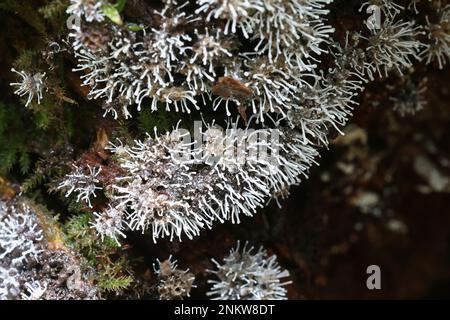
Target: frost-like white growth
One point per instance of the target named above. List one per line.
(289, 28)
(169, 196)
(173, 283)
(235, 12)
(130, 71)
(83, 181)
(179, 64)
(352, 59)
(109, 223)
(292, 29)
(89, 9)
(169, 46)
(413, 5)
(19, 237)
(208, 52)
(20, 244)
(394, 46)
(245, 275)
(274, 86)
(28, 266)
(31, 85)
(174, 187)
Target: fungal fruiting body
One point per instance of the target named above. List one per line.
(173, 283)
(178, 62)
(248, 275)
(294, 105)
(173, 188)
(83, 181)
(31, 85)
(28, 262)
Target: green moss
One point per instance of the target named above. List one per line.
(113, 274)
(148, 120)
(13, 140)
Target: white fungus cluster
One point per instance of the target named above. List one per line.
(28, 264)
(109, 223)
(20, 239)
(291, 30)
(173, 283)
(248, 275)
(174, 187)
(83, 181)
(179, 62)
(395, 46)
(31, 85)
(89, 9)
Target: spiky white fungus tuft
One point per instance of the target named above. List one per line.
(83, 181)
(109, 223)
(178, 62)
(234, 12)
(19, 236)
(258, 55)
(394, 46)
(89, 9)
(31, 85)
(245, 275)
(173, 188)
(27, 263)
